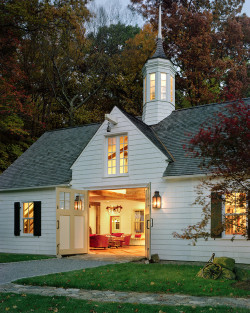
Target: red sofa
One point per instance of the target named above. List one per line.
(126, 240)
(98, 241)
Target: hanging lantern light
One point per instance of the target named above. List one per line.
(156, 200)
(78, 203)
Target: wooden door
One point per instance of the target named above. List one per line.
(71, 221)
(148, 221)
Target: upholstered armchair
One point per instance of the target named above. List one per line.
(98, 241)
(126, 240)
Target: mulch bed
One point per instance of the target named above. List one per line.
(245, 285)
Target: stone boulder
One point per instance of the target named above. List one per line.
(155, 258)
(241, 274)
(224, 262)
(227, 274)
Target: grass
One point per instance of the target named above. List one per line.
(13, 257)
(14, 303)
(165, 278)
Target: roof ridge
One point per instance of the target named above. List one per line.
(209, 104)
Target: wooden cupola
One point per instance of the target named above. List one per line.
(158, 84)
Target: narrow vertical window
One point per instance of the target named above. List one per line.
(145, 89)
(123, 154)
(112, 155)
(117, 155)
(235, 212)
(163, 86)
(171, 89)
(139, 221)
(152, 86)
(28, 217)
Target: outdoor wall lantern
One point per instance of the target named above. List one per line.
(156, 200)
(78, 203)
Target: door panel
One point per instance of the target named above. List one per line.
(71, 215)
(148, 221)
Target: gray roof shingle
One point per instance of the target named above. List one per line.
(47, 162)
(174, 132)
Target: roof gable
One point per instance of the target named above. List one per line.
(47, 162)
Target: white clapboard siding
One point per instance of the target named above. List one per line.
(46, 243)
(146, 161)
(176, 214)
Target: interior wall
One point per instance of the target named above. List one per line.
(126, 215)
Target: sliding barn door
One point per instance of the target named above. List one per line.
(71, 221)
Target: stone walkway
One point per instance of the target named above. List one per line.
(128, 297)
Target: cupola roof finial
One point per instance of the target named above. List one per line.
(159, 52)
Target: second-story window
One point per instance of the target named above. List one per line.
(152, 86)
(118, 155)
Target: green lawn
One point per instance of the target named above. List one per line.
(14, 303)
(142, 278)
(13, 257)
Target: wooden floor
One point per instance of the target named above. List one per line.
(138, 251)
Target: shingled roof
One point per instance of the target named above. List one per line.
(47, 162)
(174, 132)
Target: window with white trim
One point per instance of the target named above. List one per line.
(152, 86)
(235, 213)
(28, 217)
(117, 155)
(139, 221)
(163, 86)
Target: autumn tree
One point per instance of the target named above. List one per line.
(222, 145)
(208, 45)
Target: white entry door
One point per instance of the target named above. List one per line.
(71, 221)
(148, 221)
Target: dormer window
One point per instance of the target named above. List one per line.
(163, 86)
(152, 86)
(117, 155)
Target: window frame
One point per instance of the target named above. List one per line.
(152, 88)
(22, 218)
(236, 236)
(163, 86)
(117, 174)
(134, 221)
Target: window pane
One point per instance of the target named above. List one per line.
(235, 210)
(152, 86)
(163, 86)
(171, 89)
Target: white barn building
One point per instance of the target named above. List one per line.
(99, 179)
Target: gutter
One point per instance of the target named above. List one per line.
(35, 187)
(184, 176)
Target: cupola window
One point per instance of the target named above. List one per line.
(163, 86)
(152, 86)
(171, 89)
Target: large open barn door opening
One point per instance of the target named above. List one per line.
(148, 221)
(71, 221)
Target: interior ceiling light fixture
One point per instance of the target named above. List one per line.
(114, 209)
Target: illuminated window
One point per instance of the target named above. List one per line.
(171, 89)
(152, 86)
(28, 217)
(235, 213)
(118, 155)
(145, 89)
(139, 222)
(163, 86)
